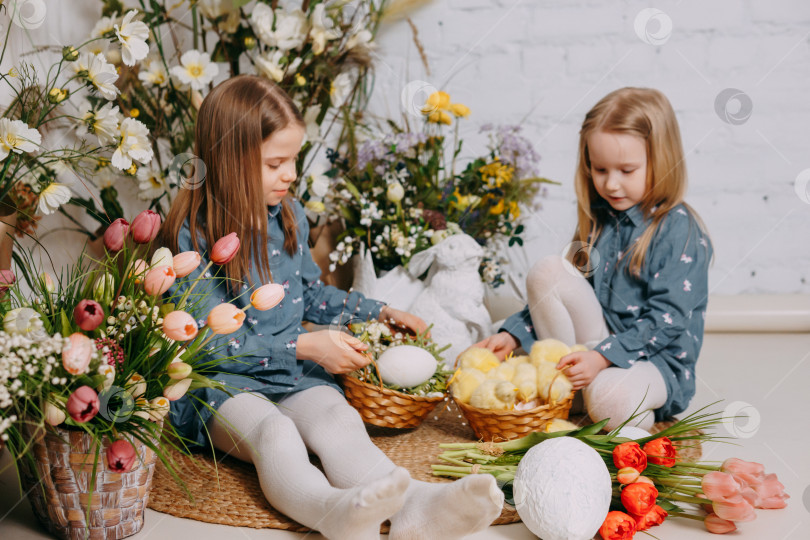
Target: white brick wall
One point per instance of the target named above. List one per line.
(547, 62)
(551, 61)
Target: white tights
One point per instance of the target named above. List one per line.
(563, 305)
(362, 487)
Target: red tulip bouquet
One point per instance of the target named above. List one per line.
(649, 480)
(102, 351)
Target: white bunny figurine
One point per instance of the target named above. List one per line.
(453, 300)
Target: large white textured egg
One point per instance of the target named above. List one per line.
(562, 490)
(632, 432)
(406, 366)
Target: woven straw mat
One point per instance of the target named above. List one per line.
(237, 499)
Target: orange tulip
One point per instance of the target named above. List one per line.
(639, 498)
(267, 296)
(654, 517)
(225, 318)
(185, 263)
(618, 526)
(661, 452)
(629, 454)
(179, 326)
(158, 280)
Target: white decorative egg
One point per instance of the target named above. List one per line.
(406, 366)
(562, 490)
(632, 432)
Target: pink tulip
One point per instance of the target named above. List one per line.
(115, 234)
(121, 456)
(719, 486)
(7, 279)
(225, 318)
(627, 475)
(82, 405)
(739, 510)
(225, 249)
(179, 326)
(185, 263)
(771, 493)
(176, 390)
(718, 525)
(145, 227)
(88, 315)
(267, 296)
(77, 353)
(138, 270)
(747, 471)
(158, 280)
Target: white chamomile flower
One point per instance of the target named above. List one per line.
(196, 69)
(16, 136)
(318, 181)
(269, 65)
(134, 144)
(133, 36)
(153, 72)
(283, 29)
(313, 133)
(100, 73)
(151, 183)
(105, 25)
(52, 197)
(103, 123)
(105, 177)
(322, 29)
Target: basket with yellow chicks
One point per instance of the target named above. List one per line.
(507, 400)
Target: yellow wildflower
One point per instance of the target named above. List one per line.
(439, 117)
(498, 208)
(495, 174)
(300, 80)
(461, 202)
(437, 101)
(134, 113)
(132, 169)
(459, 110)
(514, 209)
(13, 72)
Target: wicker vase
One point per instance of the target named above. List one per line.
(64, 465)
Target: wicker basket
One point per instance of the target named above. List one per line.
(498, 425)
(384, 407)
(64, 464)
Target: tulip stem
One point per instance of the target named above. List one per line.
(678, 483)
(685, 498)
(699, 466)
(689, 516)
(194, 284)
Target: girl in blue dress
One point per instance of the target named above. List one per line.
(286, 401)
(634, 284)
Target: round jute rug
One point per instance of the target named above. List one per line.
(226, 491)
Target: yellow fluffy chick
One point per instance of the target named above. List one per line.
(579, 348)
(515, 360)
(526, 381)
(558, 424)
(559, 389)
(464, 382)
(478, 358)
(494, 394)
(504, 372)
(548, 350)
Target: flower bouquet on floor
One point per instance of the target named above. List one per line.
(571, 482)
(405, 380)
(400, 192)
(88, 367)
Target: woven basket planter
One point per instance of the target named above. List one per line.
(64, 465)
(384, 407)
(498, 425)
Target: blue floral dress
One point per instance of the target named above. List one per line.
(266, 344)
(658, 318)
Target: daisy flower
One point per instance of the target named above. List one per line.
(134, 145)
(151, 183)
(105, 25)
(52, 197)
(16, 136)
(100, 73)
(103, 122)
(153, 72)
(196, 69)
(133, 36)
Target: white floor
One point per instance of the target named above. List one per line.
(763, 376)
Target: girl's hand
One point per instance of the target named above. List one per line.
(585, 366)
(403, 319)
(501, 344)
(337, 352)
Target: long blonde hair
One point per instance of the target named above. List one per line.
(226, 195)
(646, 113)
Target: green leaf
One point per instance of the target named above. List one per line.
(65, 322)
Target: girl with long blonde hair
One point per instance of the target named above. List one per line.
(285, 401)
(633, 285)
